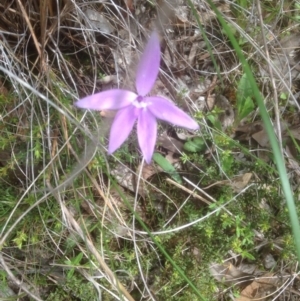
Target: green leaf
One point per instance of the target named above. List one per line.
(20, 238)
(247, 108)
(195, 145)
(244, 88)
(283, 96)
(167, 167)
(73, 263)
(245, 254)
(245, 104)
(214, 121)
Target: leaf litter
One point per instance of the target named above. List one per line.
(189, 78)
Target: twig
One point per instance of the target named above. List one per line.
(43, 21)
(275, 96)
(36, 43)
(192, 193)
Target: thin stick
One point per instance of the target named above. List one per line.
(275, 96)
(192, 193)
(43, 20)
(36, 43)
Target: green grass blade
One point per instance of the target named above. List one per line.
(269, 128)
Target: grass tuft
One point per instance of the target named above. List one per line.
(217, 209)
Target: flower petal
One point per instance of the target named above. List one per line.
(147, 131)
(121, 127)
(107, 100)
(165, 110)
(148, 67)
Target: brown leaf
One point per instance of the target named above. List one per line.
(181, 14)
(259, 289)
(210, 101)
(229, 274)
(123, 176)
(250, 128)
(173, 145)
(261, 138)
(240, 182)
(147, 171)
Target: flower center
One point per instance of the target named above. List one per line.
(139, 103)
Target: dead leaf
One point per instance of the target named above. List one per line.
(98, 21)
(229, 274)
(123, 176)
(250, 127)
(181, 13)
(238, 183)
(257, 131)
(287, 59)
(210, 101)
(185, 135)
(148, 171)
(269, 261)
(261, 138)
(259, 289)
(173, 145)
(193, 53)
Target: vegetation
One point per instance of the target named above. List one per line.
(213, 216)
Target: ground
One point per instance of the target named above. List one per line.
(214, 216)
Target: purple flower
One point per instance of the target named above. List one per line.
(139, 107)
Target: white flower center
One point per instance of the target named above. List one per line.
(139, 103)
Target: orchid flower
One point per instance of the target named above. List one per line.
(138, 106)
